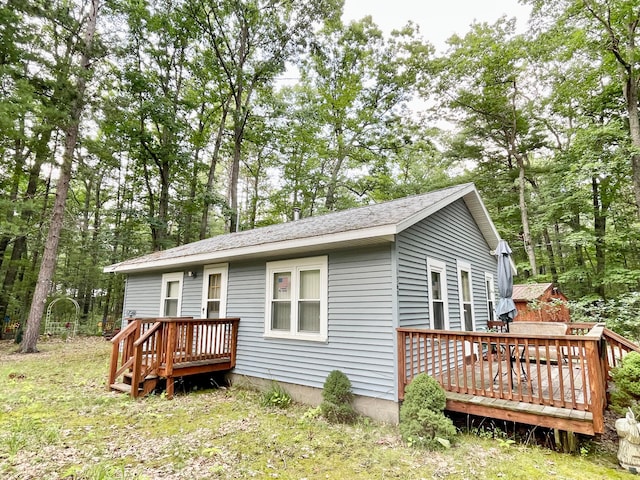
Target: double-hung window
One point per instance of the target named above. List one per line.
(438, 302)
(171, 297)
(296, 299)
(465, 293)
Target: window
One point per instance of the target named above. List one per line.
(214, 291)
(438, 307)
(171, 297)
(466, 296)
(296, 303)
(491, 297)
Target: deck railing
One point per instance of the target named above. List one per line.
(564, 371)
(617, 345)
(162, 346)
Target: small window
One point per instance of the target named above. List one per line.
(466, 296)
(171, 298)
(491, 297)
(438, 307)
(297, 299)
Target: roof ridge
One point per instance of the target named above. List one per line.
(380, 221)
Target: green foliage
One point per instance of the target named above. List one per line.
(275, 396)
(337, 396)
(422, 421)
(626, 379)
(620, 313)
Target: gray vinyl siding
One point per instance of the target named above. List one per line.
(192, 294)
(142, 295)
(448, 235)
(360, 326)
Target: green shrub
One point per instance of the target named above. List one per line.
(422, 421)
(336, 399)
(626, 379)
(275, 396)
(619, 313)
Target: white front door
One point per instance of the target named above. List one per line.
(214, 291)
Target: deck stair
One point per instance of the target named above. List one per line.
(150, 349)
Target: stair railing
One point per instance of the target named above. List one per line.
(121, 350)
(147, 355)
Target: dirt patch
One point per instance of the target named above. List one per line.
(608, 441)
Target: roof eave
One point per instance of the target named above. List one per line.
(374, 235)
(475, 205)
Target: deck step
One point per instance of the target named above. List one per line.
(129, 375)
(122, 387)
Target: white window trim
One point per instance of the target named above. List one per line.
(295, 266)
(465, 267)
(223, 270)
(441, 267)
(488, 277)
(171, 277)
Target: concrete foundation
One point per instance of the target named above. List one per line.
(381, 410)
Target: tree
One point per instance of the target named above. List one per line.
(71, 129)
(484, 80)
(360, 83)
(252, 42)
(150, 110)
(611, 28)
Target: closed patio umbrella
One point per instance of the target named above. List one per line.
(506, 308)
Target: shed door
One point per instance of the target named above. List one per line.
(214, 292)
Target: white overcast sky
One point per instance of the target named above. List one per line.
(438, 19)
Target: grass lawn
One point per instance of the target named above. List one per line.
(57, 421)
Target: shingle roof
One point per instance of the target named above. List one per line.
(367, 222)
(529, 291)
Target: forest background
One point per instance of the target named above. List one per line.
(128, 126)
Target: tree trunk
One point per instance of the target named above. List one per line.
(599, 230)
(42, 152)
(204, 224)
(48, 264)
(551, 254)
(526, 232)
(634, 130)
(332, 186)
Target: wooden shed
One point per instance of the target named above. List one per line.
(540, 302)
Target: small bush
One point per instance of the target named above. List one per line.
(626, 379)
(276, 396)
(336, 399)
(422, 421)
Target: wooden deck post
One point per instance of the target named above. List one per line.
(597, 384)
(235, 323)
(402, 362)
(172, 339)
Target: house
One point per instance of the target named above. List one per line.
(540, 302)
(329, 292)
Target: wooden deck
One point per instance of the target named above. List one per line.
(149, 349)
(554, 381)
